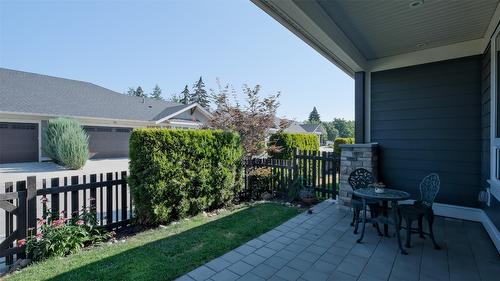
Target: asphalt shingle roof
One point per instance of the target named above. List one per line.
(25, 92)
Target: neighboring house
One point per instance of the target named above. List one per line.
(298, 128)
(28, 101)
(426, 88)
(292, 127)
(317, 129)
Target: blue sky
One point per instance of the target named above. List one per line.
(117, 44)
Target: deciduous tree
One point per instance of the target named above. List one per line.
(251, 120)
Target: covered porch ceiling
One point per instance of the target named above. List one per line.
(378, 35)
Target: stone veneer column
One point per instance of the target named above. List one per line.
(355, 156)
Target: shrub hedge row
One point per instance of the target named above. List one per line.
(179, 173)
(287, 143)
(338, 141)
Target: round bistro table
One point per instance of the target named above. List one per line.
(389, 195)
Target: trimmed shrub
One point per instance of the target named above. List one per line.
(179, 173)
(339, 141)
(65, 142)
(285, 144)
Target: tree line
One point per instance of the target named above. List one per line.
(337, 128)
(197, 94)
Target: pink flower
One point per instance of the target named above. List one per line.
(59, 222)
(44, 199)
(80, 222)
(39, 235)
(42, 221)
(21, 242)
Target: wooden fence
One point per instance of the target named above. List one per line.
(22, 204)
(313, 169)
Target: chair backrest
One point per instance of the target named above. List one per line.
(429, 188)
(360, 178)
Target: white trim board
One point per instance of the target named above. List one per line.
(470, 214)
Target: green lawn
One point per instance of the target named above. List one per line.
(163, 253)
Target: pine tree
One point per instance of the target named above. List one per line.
(185, 95)
(131, 91)
(199, 94)
(314, 116)
(139, 92)
(156, 94)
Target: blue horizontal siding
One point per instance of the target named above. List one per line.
(428, 118)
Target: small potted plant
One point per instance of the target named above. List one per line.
(308, 195)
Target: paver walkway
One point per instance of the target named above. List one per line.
(321, 246)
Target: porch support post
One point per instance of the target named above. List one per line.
(352, 157)
(359, 107)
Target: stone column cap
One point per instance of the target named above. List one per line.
(362, 145)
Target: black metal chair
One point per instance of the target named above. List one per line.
(420, 209)
(362, 178)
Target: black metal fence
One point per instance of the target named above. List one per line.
(314, 169)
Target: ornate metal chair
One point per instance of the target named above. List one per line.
(429, 188)
(361, 178)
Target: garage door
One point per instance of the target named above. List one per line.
(108, 142)
(18, 142)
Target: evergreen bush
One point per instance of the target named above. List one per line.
(65, 142)
(285, 144)
(179, 173)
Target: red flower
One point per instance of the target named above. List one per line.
(21, 242)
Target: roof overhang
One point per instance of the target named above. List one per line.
(315, 25)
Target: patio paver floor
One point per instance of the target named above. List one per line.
(321, 246)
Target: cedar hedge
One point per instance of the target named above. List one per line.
(287, 143)
(179, 173)
(338, 141)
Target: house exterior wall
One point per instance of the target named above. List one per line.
(427, 118)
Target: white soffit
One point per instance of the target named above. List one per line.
(392, 27)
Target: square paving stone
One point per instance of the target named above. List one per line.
(218, 264)
(265, 252)
(325, 267)
(201, 273)
(251, 277)
(240, 268)
(256, 243)
(314, 275)
(253, 259)
(276, 262)
(225, 275)
(275, 245)
(308, 256)
(340, 276)
(316, 249)
(245, 250)
(264, 270)
(285, 240)
(286, 254)
(288, 273)
(292, 235)
(232, 256)
(300, 264)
